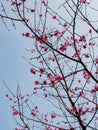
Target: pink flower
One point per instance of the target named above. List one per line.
(36, 82)
(35, 92)
(33, 71)
(32, 10)
(91, 44)
(53, 116)
(6, 95)
(19, 4)
(54, 17)
(46, 120)
(36, 107)
(81, 94)
(49, 75)
(74, 109)
(44, 3)
(93, 91)
(56, 33)
(90, 30)
(79, 80)
(82, 38)
(52, 81)
(33, 113)
(40, 15)
(44, 82)
(15, 113)
(58, 78)
(86, 55)
(65, 25)
(83, 1)
(42, 70)
(96, 60)
(86, 75)
(13, 3)
(62, 48)
(80, 109)
(96, 88)
(44, 37)
(27, 34)
(10, 98)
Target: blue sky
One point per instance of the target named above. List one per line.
(12, 67)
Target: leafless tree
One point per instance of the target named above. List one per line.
(64, 63)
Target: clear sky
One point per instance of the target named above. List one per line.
(12, 67)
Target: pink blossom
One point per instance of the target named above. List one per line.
(53, 116)
(27, 34)
(44, 3)
(62, 48)
(49, 75)
(33, 113)
(54, 17)
(83, 1)
(74, 109)
(52, 81)
(36, 107)
(33, 71)
(13, 3)
(42, 70)
(64, 25)
(93, 91)
(35, 92)
(44, 82)
(82, 38)
(96, 88)
(40, 15)
(80, 109)
(58, 78)
(44, 37)
(36, 82)
(80, 94)
(90, 30)
(96, 60)
(6, 95)
(32, 10)
(86, 75)
(91, 44)
(15, 113)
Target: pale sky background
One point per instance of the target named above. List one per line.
(12, 67)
